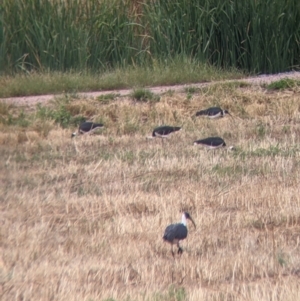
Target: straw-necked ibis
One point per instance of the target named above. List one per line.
(211, 142)
(164, 131)
(87, 127)
(174, 233)
(213, 112)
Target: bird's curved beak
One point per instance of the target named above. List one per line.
(193, 222)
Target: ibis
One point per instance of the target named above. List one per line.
(213, 113)
(87, 127)
(211, 142)
(174, 233)
(164, 131)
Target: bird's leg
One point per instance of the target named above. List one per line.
(173, 254)
(180, 250)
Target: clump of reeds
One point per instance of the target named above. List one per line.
(257, 36)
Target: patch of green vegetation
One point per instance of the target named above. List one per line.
(238, 84)
(258, 224)
(7, 118)
(4, 108)
(282, 259)
(61, 116)
(189, 96)
(144, 95)
(191, 90)
(286, 129)
(263, 152)
(228, 170)
(66, 98)
(242, 112)
(272, 151)
(261, 130)
(173, 294)
(128, 156)
(177, 70)
(21, 120)
(227, 87)
(106, 98)
(170, 92)
(285, 83)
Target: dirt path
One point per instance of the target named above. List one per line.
(262, 79)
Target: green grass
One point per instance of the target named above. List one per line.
(61, 113)
(174, 294)
(61, 116)
(283, 84)
(191, 90)
(106, 98)
(144, 95)
(271, 151)
(256, 36)
(180, 70)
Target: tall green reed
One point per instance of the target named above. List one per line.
(253, 35)
(68, 34)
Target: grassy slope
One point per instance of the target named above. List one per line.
(83, 219)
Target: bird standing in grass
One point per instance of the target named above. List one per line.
(164, 131)
(211, 142)
(87, 127)
(213, 113)
(174, 233)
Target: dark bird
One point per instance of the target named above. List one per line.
(174, 233)
(211, 142)
(164, 131)
(87, 127)
(213, 112)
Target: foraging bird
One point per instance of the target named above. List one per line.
(164, 131)
(176, 232)
(211, 142)
(87, 127)
(213, 112)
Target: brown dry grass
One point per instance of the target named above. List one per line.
(83, 219)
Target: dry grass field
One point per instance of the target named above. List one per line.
(83, 218)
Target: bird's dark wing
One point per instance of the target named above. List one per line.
(212, 141)
(87, 126)
(165, 130)
(175, 231)
(159, 130)
(214, 111)
(203, 141)
(217, 141)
